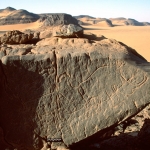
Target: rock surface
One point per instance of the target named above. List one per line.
(72, 89)
(15, 37)
(70, 30)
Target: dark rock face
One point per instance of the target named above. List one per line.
(72, 91)
(15, 37)
(126, 141)
(144, 135)
(122, 142)
(70, 30)
(57, 19)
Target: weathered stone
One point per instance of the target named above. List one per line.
(74, 93)
(15, 37)
(70, 30)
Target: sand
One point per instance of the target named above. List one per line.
(33, 25)
(137, 37)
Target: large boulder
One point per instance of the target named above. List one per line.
(73, 92)
(70, 30)
(15, 37)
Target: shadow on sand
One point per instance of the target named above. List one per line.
(94, 29)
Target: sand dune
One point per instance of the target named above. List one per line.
(136, 37)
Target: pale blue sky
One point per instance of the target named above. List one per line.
(136, 9)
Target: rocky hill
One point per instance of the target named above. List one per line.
(13, 16)
(6, 11)
(10, 15)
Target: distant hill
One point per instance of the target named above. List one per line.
(88, 20)
(7, 9)
(10, 15)
(121, 21)
(129, 21)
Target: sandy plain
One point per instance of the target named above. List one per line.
(137, 37)
(33, 25)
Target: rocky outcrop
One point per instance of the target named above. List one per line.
(70, 30)
(70, 90)
(57, 19)
(15, 37)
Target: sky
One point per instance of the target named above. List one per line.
(136, 9)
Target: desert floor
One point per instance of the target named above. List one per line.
(137, 37)
(19, 27)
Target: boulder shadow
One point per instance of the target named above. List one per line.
(21, 88)
(94, 29)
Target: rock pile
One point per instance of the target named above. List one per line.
(15, 37)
